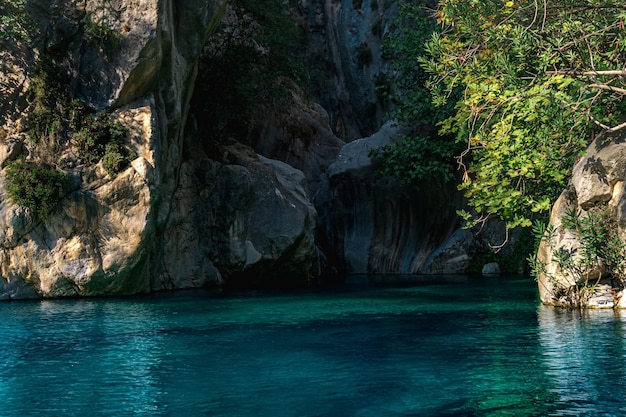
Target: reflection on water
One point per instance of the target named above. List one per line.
(430, 347)
(584, 354)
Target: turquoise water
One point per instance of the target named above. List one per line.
(447, 347)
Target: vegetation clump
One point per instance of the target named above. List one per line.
(98, 28)
(246, 64)
(35, 186)
(53, 121)
(48, 97)
(15, 22)
(425, 154)
(102, 138)
(56, 126)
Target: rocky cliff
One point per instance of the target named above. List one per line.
(290, 199)
(345, 40)
(164, 221)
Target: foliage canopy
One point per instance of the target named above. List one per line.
(531, 83)
(423, 154)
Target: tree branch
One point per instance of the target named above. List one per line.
(608, 87)
(616, 128)
(588, 73)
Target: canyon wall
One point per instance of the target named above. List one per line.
(294, 200)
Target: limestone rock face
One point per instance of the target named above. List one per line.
(179, 216)
(99, 240)
(378, 225)
(102, 238)
(597, 181)
(345, 42)
(170, 219)
(250, 221)
(299, 134)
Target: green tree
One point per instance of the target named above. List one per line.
(532, 82)
(521, 86)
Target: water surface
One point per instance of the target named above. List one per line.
(452, 346)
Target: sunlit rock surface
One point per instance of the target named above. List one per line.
(163, 222)
(100, 238)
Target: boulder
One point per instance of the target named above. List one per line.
(298, 133)
(597, 182)
(235, 223)
(491, 268)
(11, 149)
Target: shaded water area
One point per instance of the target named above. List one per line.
(438, 346)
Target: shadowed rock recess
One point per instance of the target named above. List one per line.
(291, 202)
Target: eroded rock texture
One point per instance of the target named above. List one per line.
(345, 42)
(370, 224)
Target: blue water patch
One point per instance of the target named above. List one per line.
(436, 346)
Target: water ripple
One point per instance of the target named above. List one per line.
(463, 347)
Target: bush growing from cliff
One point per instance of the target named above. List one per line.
(98, 28)
(530, 84)
(48, 96)
(15, 22)
(35, 186)
(53, 120)
(116, 157)
(102, 138)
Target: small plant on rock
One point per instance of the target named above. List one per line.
(98, 28)
(116, 157)
(15, 22)
(48, 98)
